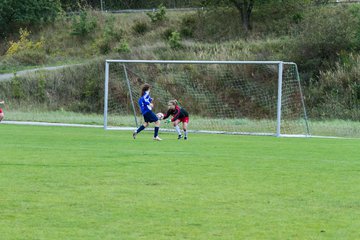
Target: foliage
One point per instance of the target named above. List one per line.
(25, 51)
(188, 26)
(159, 15)
(24, 43)
(123, 47)
(140, 27)
(18, 14)
(109, 36)
(83, 24)
(175, 40)
(336, 94)
(17, 90)
(323, 35)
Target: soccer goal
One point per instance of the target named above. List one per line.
(234, 97)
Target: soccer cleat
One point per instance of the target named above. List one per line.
(179, 137)
(157, 138)
(185, 138)
(134, 135)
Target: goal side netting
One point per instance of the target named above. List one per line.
(235, 97)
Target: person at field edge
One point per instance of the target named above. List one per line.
(1, 111)
(146, 105)
(179, 115)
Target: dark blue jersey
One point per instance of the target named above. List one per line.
(144, 103)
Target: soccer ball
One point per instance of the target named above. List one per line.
(160, 115)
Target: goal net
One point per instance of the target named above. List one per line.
(235, 97)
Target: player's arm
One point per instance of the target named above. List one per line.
(176, 115)
(167, 114)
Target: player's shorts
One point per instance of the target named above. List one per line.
(184, 119)
(1, 111)
(150, 117)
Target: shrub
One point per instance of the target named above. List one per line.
(123, 47)
(188, 26)
(24, 43)
(158, 15)
(336, 93)
(103, 45)
(25, 51)
(110, 32)
(140, 27)
(16, 88)
(83, 25)
(168, 32)
(174, 40)
(323, 35)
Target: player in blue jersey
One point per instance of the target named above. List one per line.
(146, 105)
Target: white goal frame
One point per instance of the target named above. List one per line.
(279, 64)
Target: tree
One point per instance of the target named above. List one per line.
(16, 14)
(244, 8)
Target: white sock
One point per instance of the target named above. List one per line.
(178, 129)
(185, 133)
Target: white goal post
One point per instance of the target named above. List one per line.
(236, 97)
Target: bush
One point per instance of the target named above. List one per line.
(140, 27)
(336, 93)
(103, 45)
(110, 35)
(168, 32)
(83, 25)
(188, 26)
(123, 47)
(30, 57)
(175, 40)
(25, 51)
(158, 15)
(110, 32)
(323, 35)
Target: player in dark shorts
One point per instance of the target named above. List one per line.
(146, 105)
(179, 115)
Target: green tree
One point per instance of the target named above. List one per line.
(246, 7)
(16, 14)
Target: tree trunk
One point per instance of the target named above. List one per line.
(245, 9)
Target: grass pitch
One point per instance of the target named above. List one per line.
(75, 183)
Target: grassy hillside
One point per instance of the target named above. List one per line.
(326, 51)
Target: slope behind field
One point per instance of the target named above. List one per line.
(71, 183)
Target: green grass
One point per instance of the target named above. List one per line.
(75, 183)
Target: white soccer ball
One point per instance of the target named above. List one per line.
(160, 115)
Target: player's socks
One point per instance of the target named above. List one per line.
(140, 129)
(156, 132)
(177, 128)
(185, 135)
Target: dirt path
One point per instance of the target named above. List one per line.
(9, 76)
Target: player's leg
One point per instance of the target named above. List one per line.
(142, 127)
(177, 128)
(185, 124)
(156, 131)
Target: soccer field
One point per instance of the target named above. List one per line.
(83, 183)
